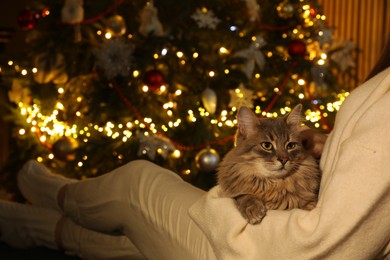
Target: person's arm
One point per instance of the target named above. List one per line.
(351, 219)
(313, 140)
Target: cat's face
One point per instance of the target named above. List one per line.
(274, 153)
(268, 147)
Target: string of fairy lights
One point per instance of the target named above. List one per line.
(48, 127)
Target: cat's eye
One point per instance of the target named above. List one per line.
(266, 145)
(291, 145)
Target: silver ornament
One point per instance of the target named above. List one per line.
(207, 160)
(64, 148)
(285, 9)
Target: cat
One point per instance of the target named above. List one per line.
(269, 167)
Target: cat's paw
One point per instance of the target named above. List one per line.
(252, 208)
(309, 206)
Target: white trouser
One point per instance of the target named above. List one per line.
(148, 203)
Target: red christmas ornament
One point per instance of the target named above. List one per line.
(296, 48)
(154, 79)
(28, 19)
(313, 11)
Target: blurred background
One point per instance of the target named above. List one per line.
(352, 35)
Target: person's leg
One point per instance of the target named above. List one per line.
(89, 244)
(39, 185)
(43, 188)
(146, 202)
(27, 226)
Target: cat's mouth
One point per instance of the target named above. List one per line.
(281, 170)
(278, 171)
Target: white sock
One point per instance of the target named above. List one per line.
(39, 186)
(89, 244)
(26, 226)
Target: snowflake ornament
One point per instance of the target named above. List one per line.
(114, 57)
(343, 57)
(205, 19)
(253, 56)
(241, 96)
(151, 145)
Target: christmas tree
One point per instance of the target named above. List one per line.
(103, 83)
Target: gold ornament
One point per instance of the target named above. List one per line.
(209, 99)
(285, 9)
(18, 93)
(50, 68)
(61, 78)
(116, 25)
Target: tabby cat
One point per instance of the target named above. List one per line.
(269, 167)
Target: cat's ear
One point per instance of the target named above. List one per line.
(247, 123)
(295, 116)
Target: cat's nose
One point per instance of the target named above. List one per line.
(283, 160)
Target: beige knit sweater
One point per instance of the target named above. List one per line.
(352, 218)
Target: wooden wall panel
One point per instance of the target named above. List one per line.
(364, 22)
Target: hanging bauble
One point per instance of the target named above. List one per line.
(28, 19)
(154, 79)
(116, 25)
(64, 148)
(285, 9)
(207, 160)
(209, 99)
(313, 11)
(296, 48)
(72, 11)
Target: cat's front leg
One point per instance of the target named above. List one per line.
(252, 208)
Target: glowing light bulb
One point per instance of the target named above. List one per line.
(301, 82)
(223, 50)
(233, 28)
(176, 154)
(179, 54)
(22, 131)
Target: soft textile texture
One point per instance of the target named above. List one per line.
(351, 220)
(88, 244)
(40, 186)
(27, 226)
(147, 203)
